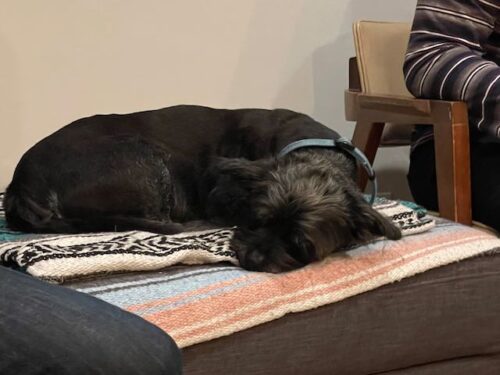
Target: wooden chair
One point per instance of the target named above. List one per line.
(377, 99)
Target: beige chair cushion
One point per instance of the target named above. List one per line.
(380, 50)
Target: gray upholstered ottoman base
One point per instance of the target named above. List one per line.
(445, 321)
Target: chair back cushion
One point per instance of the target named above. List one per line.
(380, 51)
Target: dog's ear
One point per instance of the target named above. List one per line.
(239, 168)
(377, 224)
(234, 183)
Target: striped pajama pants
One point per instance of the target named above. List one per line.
(457, 74)
(453, 54)
(460, 76)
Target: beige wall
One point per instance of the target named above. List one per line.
(61, 60)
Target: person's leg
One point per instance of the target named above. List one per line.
(422, 176)
(485, 180)
(485, 163)
(49, 329)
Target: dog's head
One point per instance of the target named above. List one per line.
(292, 212)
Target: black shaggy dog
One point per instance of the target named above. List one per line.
(189, 167)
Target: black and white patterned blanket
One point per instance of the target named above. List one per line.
(63, 257)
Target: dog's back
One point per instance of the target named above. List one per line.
(106, 172)
(114, 172)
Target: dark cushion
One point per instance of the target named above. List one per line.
(445, 321)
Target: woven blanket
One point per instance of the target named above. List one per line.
(64, 257)
(201, 303)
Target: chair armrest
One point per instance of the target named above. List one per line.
(391, 108)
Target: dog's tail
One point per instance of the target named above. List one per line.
(23, 214)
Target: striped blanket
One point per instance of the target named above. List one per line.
(59, 258)
(201, 303)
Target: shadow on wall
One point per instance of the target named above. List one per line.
(323, 75)
(391, 163)
(270, 71)
(330, 62)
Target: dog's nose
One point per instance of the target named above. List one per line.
(255, 259)
(273, 268)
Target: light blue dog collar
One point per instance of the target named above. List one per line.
(343, 144)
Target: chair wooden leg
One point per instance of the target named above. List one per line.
(451, 134)
(366, 137)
